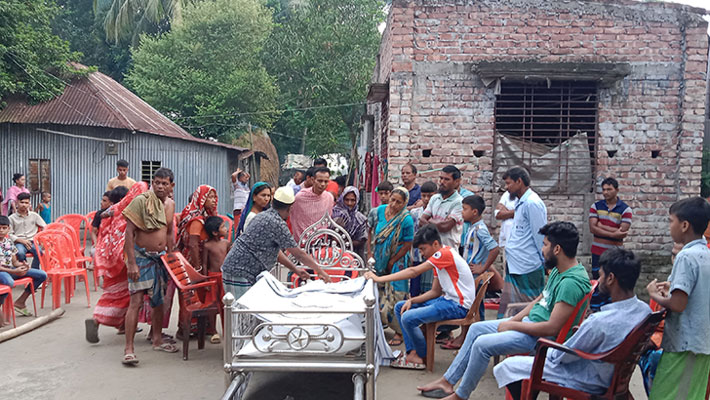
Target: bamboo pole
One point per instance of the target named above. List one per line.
(36, 323)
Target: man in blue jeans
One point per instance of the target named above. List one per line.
(11, 268)
(450, 297)
(24, 225)
(566, 286)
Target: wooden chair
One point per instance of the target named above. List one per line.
(625, 356)
(198, 297)
(58, 261)
(481, 284)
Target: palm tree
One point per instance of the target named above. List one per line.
(127, 19)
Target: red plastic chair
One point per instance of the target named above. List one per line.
(76, 221)
(8, 308)
(90, 217)
(58, 261)
(83, 260)
(198, 297)
(625, 356)
(27, 282)
(229, 223)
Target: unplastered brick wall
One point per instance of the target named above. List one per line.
(651, 120)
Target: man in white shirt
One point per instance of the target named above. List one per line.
(505, 212)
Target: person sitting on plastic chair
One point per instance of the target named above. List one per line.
(600, 332)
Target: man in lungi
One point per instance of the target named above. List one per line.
(524, 273)
(148, 236)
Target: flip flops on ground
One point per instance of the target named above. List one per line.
(450, 345)
(129, 359)
(215, 339)
(166, 347)
(24, 312)
(435, 393)
(395, 341)
(92, 330)
(402, 363)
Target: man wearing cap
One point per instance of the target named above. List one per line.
(261, 244)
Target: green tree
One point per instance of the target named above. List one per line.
(126, 20)
(209, 65)
(30, 52)
(79, 23)
(323, 53)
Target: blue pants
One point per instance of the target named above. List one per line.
(22, 254)
(483, 341)
(438, 309)
(38, 277)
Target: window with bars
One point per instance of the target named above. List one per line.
(550, 128)
(148, 169)
(40, 176)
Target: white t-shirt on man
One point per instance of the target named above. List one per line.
(454, 276)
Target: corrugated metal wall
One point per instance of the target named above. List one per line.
(80, 167)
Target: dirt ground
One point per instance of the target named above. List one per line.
(54, 362)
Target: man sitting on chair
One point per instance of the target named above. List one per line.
(600, 332)
(450, 297)
(567, 285)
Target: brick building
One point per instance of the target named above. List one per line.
(574, 90)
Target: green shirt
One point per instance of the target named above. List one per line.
(568, 287)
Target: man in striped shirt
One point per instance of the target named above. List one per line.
(609, 222)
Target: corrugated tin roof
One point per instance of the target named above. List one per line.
(97, 100)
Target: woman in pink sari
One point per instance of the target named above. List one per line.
(109, 262)
(8, 204)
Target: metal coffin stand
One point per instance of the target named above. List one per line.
(331, 247)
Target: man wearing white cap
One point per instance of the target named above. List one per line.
(262, 243)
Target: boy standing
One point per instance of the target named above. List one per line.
(148, 236)
(450, 297)
(44, 209)
(11, 268)
(216, 247)
(683, 370)
(421, 283)
(122, 178)
(384, 189)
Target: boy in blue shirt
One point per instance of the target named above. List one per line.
(683, 370)
(480, 250)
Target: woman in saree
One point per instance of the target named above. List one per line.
(345, 214)
(109, 263)
(394, 233)
(191, 229)
(8, 204)
(258, 201)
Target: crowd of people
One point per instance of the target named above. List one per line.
(429, 242)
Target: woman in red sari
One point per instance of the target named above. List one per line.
(191, 230)
(109, 263)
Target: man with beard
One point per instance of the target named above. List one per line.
(444, 209)
(601, 332)
(524, 275)
(567, 285)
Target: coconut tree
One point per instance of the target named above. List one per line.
(127, 19)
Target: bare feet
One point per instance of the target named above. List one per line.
(440, 383)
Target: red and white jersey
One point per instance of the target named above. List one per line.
(454, 276)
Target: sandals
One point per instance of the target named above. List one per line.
(129, 359)
(395, 341)
(166, 338)
(402, 363)
(450, 345)
(443, 337)
(24, 312)
(166, 347)
(435, 393)
(215, 339)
